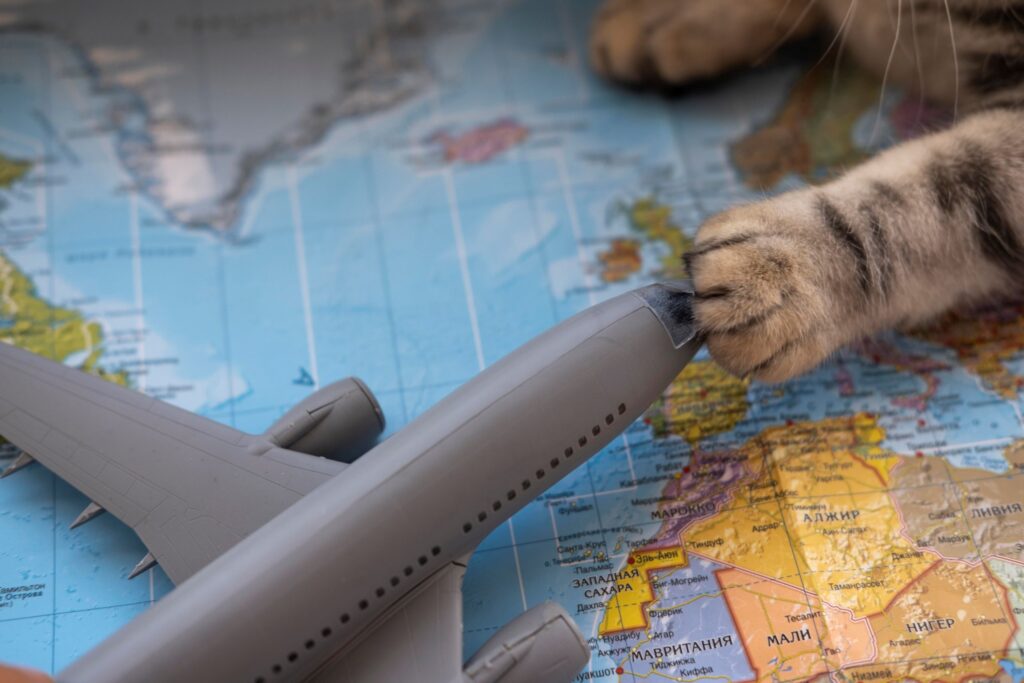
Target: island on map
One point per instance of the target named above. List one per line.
(650, 222)
(480, 144)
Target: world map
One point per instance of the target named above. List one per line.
(227, 205)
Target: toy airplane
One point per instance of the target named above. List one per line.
(295, 558)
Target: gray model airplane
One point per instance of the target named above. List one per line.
(297, 559)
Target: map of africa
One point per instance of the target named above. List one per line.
(228, 204)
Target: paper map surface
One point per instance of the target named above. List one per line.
(228, 203)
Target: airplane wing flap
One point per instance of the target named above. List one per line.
(102, 481)
(109, 484)
(27, 425)
(134, 456)
(419, 640)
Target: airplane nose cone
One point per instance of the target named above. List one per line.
(671, 302)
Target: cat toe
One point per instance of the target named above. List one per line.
(650, 44)
(617, 44)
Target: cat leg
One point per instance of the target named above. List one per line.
(930, 224)
(671, 42)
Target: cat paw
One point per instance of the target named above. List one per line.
(763, 297)
(657, 42)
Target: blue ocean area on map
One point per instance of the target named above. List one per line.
(1015, 670)
(237, 254)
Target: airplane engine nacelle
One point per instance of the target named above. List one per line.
(341, 422)
(542, 644)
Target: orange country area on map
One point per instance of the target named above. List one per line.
(953, 623)
(789, 633)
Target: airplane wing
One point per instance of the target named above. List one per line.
(190, 488)
(419, 640)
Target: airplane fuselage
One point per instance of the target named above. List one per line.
(285, 600)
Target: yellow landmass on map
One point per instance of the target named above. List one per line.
(831, 457)
(627, 608)
(12, 170)
(30, 322)
(882, 462)
(812, 134)
(702, 401)
(819, 517)
(851, 550)
(750, 535)
(984, 342)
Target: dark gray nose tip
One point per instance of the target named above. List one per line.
(672, 302)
